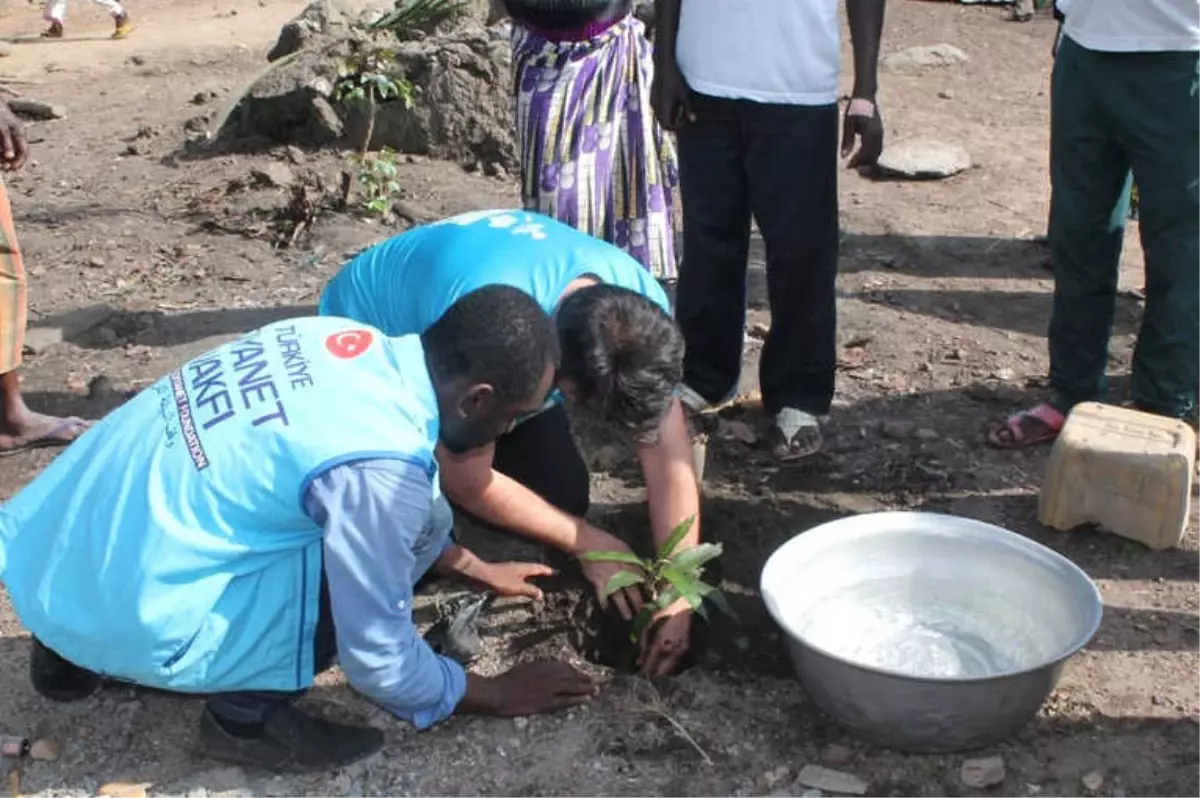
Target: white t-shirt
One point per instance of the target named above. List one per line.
(770, 51)
(1132, 26)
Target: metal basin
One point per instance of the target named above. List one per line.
(925, 632)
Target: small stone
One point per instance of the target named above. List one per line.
(200, 98)
(922, 57)
(39, 339)
(1092, 781)
(983, 772)
(276, 789)
(96, 262)
(521, 724)
(831, 780)
(122, 789)
(197, 124)
(273, 175)
(774, 777)
(137, 59)
(758, 330)
(45, 750)
(898, 430)
(946, 94)
(923, 159)
(737, 431)
(926, 434)
(134, 148)
(836, 754)
(100, 387)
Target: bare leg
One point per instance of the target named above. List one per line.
(20, 427)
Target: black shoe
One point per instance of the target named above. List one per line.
(55, 678)
(290, 740)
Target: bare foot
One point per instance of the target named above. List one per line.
(37, 430)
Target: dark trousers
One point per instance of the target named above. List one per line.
(779, 163)
(252, 707)
(1110, 113)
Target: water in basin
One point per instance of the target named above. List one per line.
(949, 631)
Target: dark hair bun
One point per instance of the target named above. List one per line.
(565, 14)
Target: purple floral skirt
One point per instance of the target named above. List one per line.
(592, 154)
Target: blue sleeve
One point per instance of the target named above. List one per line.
(376, 514)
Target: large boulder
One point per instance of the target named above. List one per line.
(290, 102)
(460, 73)
(462, 108)
(322, 19)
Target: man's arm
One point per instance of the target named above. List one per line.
(666, 30)
(669, 94)
(374, 513)
(863, 121)
(471, 483)
(866, 31)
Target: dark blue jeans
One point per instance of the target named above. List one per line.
(779, 163)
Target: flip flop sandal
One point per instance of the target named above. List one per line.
(1014, 432)
(795, 435)
(52, 438)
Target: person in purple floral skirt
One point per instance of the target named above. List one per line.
(592, 154)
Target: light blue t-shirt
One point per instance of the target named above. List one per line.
(405, 284)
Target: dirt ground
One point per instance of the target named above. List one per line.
(944, 301)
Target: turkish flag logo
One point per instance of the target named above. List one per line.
(349, 344)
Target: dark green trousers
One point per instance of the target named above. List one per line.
(1112, 113)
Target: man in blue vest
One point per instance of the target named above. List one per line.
(622, 363)
(269, 506)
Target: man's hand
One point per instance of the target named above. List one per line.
(669, 97)
(528, 689)
(862, 122)
(666, 640)
(627, 601)
(512, 578)
(12, 140)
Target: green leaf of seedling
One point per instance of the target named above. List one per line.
(677, 535)
(622, 580)
(690, 561)
(718, 600)
(684, 586)
(613, 556)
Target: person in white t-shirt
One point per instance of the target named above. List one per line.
(1124, 107)
(751, 88)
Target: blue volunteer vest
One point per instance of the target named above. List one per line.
(169, 545)
(405, 284)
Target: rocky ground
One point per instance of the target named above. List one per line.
(153, 230)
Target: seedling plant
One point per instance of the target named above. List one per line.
(672, 575)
